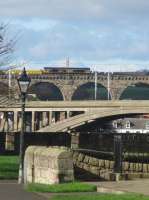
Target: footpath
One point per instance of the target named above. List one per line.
(11, 190)
(140, 186)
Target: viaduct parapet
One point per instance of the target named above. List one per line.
(69, 83)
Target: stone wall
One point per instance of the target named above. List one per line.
(104, 168)
(48, 165)
(95, 166)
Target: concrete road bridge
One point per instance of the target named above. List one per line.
(58, 116)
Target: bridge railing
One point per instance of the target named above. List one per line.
(130, 152)
(10, 142)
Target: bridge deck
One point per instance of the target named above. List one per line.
(78, 104)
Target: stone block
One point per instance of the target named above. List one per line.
(107, 164)
(75, 155)
(103, 164)
(140, 167)
(111, 164)
(95, 162)
(94, 170)
(125, 166)
(86, 167)
(145, 168)
(86, 159)
(131, 167)
(80, 157)
(48, 165)
(100, 163)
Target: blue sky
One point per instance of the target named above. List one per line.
(89, 32)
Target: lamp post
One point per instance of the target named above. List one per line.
(23, 83)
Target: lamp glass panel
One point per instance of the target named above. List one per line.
(24, 86)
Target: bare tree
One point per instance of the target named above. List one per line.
(6, 45)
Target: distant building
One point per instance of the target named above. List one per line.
(130, 125)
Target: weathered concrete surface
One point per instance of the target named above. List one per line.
(94, 110)
(48, 165)
(136, 186)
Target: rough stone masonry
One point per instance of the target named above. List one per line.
(48, 165)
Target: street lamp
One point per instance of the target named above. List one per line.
(23, 83)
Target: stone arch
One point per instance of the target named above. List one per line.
(45, 91)
(137, 91)
(86, 91)
(4, 89)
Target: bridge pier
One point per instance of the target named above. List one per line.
(5, 127)
(6, 121)
(50, 118)
(68, 114)
(44, 119)
(1, 120)
(75, 140)
(38, 120)
(33, 121)
(15, 121)
(62, 115)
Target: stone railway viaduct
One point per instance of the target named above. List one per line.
(68, 83)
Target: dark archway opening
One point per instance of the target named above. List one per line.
(139, 91)
(45, 91)
(87, 92)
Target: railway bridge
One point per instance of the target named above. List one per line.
(80, 85)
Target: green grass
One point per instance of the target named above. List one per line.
(64, 187)
(100, 197)
(9, 166)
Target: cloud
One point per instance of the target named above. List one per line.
(90, 43)
(82, 42)
(34, 24)
(90, 31)
(76, 10)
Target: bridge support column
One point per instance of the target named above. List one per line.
(15, 121)
(50, 118)
(68, 114)
(19, 122)
(6, 121)
(62, 116)
(75, 137)
(45, 119)
(53, 116)
(2, 121)
(33, 121)
(40, 119)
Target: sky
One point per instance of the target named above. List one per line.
(101, 34)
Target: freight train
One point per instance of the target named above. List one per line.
(49, 70)
(66, 70)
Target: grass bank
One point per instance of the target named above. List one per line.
(9, 167)
(100, 197)
(64, 187)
